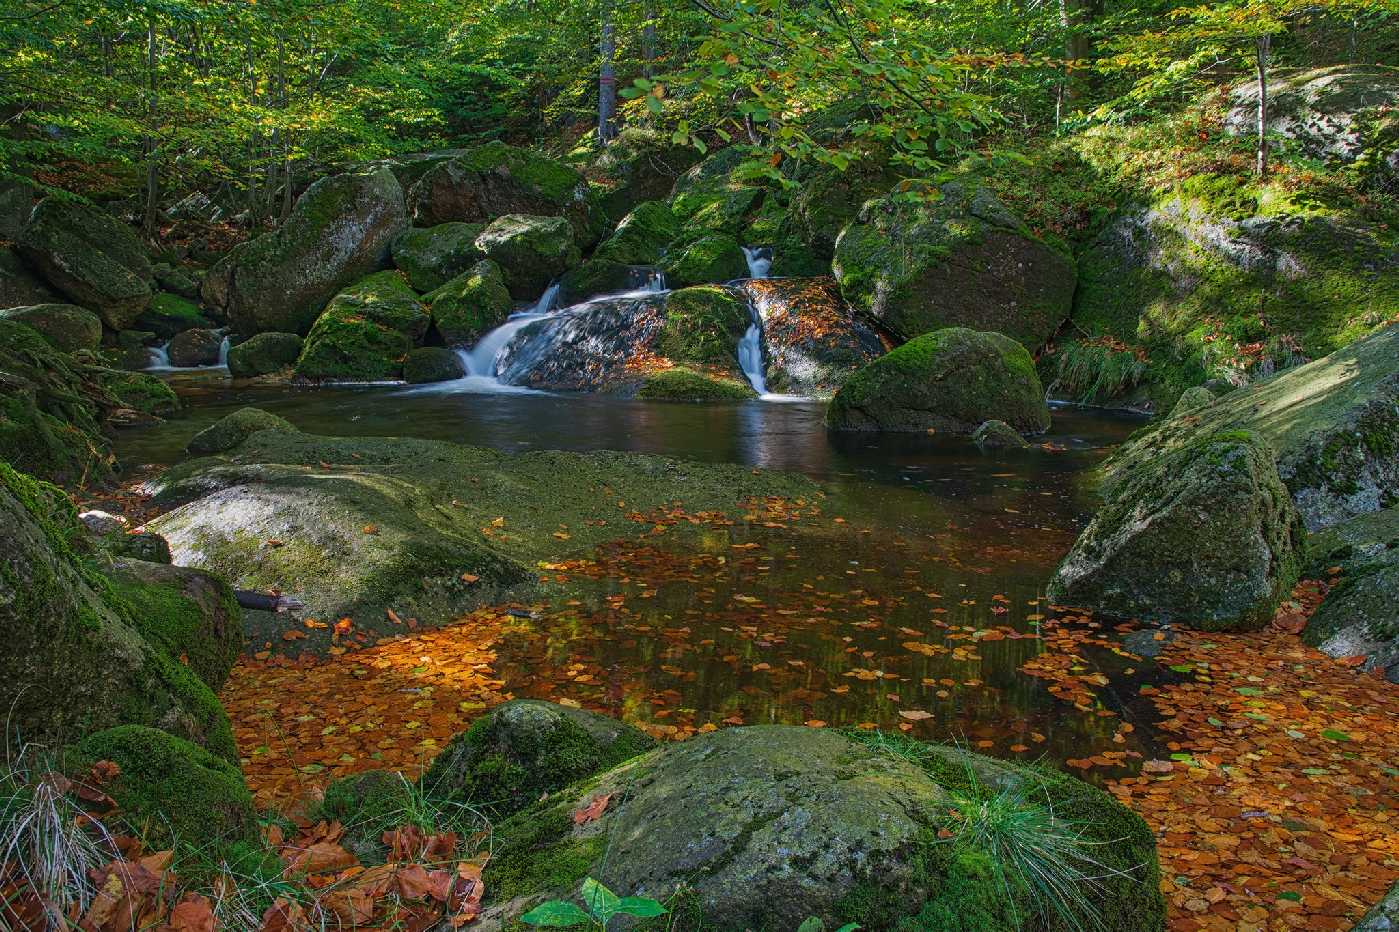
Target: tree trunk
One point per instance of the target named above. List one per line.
(649, 47)
(607, 80)
(152, 168)
(1264, 42)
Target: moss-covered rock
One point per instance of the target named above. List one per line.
(433, 256)
(75, 659)
(597, 277)
(525, 749)
(432, 364)
(68, 327)
(19, 286)
(789, 823)
(682, 384)
(531, 251)
(642, 236)
(141, 392)
(640, 165)
(1357, 618)
(703, 325)
(16, 203)
(170, 792)
(190, 348)
(365, 332)
(169, 314)
(1334, 424)
(1204, 536)
(1384, 916)
(715, 197)
(91, 257)
(959, 259)
(189, 613)
(715, 258)
(264, 354)
(470, 305)
(812, 340)
(339, 231)
(176, 280)
(831, 199)
(998, 434)
(232, 429)
(950, 380)
(1321, 110)
(496, 179)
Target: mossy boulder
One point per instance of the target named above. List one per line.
(169, 792)
(365, 332)
(715, 196)
(531, 251)
(169, 314)
(682, 384)
(998, 435)
(642, 236)
(1334, 424)
(497, 179)
(1204, 536)
(950, 380)
(525, 749)
(1357, 617)
(598, 277)
(703, 324)
(232, 429)
(431, 257)
(176, 280)
(91, 257)
(831, 199)
(264, 354)
(1321, 110)
(139, 391)
(470, 305)
(432, 364)
(68, 327)
(597, 346)
(190, 348)
(192, 615)
(16, 203)
(959, 259)
(76, 660)
(812, 339)
(715, 258)
(788, 823)
(640, 165)
(340, 230)
(19, 286)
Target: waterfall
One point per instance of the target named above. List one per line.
(480, 359)
(750, 354)
(759, 260)
(158, 357)
(223, 351)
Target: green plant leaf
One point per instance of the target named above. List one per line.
(1335, 735)
(601, 902)
(641, 906)
(812, 925)
(556, 914)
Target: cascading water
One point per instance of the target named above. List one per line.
(750, 348)
(158, 358)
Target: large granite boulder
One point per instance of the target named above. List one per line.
(531, 251)
(232, 429)
(82, 655)
(91, 257)
(962, 259)
(340, 230)
(1204, 536)
(431, 257)
(812, 340)
(641, 237)
(264, 354)
(169, 314)
(1358, 617)
(496, 179)
(471, 304)
(1334, 424)
(68, 327)
(365, 332)
(1321, 110)
(585, 348)
(711, 259)
(715, 196)
(201, 347)
(787, 823)
(525, 749)
(19, 286)
(432, 364)
(703, 325)
(949, 380)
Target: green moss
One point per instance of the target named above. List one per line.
(641, 237)
(177, 625)
(552, 180)
(263, 354)
(170, 791)
(680, 384)
(432, 364)
(433, 256)
(594, 277)
(471, 304)
(169, 314)
(538, 853)
(67, 327)
(715, 258)
(232, 429)
(143, 392)
(703, 324)
(365, 332)
(1092, 373)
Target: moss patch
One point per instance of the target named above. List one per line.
(681, 384)
(703, 325)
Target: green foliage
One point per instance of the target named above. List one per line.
(600, 905)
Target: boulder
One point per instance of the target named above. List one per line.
(585, 348)
(642, 165)
(496, 179)
(264, 354)
(1357, 617)
(786, 824)
(169, 314)
(138, 391)
(683, 384)
(962, 259)
(89, 256)
(703, 325)
(132, 351)
(365, 332)
(531, 251)
(141, 545)
(78, 657)
(176, 280)
(1204, 536)
(1384, 916)
(715, 197)
(169, 792)
(200, 347)
(339, 231)
(598, 278)
(949, 380)
(998, 434)
(19, 287)
(232, 429)
(432, 364)
(715, 258)
(642, 236)
(68, 327)
(812, 340)
(526, 749)
(16, 204)
(431, 257)
(470, 305)
(1323, 111)
(831, 199)
(190, 614)
(1334, 424)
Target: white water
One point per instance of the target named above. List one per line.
(750, 348)
(158, 359)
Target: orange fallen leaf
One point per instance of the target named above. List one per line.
(593, 811)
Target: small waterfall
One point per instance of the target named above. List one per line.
(759, 260)
(750, 355)
(223, 351)
(158, 357)
(655, 280)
